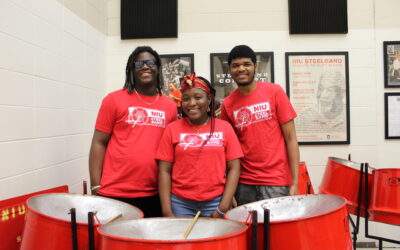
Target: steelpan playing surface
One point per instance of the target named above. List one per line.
(347, 163)
(171, 228)
(288, 207)
(58, 205)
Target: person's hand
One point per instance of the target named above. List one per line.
(294, 189)
(168, 214)
(215, 214)
(234, 202)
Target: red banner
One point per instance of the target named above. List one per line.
(13, 217)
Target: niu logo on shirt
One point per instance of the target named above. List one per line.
(144, 116)
(197, 140)
(252, 114)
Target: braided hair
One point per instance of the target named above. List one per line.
(129, 79)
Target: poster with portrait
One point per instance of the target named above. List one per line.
(391, 54)
(174, 68)
(392, 115)
(317, 84)
(222, 80)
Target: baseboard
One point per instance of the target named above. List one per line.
(366, 244)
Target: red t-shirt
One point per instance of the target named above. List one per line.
(198, 172)
(129, 168)
(257, 120)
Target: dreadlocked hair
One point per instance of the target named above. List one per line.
(129, 79)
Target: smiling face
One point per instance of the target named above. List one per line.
(242, 71)
(145, 75)
(195, 102)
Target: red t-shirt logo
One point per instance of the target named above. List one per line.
(137, 116)
(243, 117)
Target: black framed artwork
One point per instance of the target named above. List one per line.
(317, 84)
(222, 80)
(392, 115)
(174, 67)
(391, 54)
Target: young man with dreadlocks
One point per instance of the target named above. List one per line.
(262, 117)
(128, 129)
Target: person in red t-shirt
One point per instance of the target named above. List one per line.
(199, 156)
(129, 126)
(262, 117)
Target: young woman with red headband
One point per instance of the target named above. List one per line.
(198, 156)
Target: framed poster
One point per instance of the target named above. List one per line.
(174, 68)
(391, 54)
(222, 80)
(392, 115)
(317, 84)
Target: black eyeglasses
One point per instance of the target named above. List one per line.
(149, 63)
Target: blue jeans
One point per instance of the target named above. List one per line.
(188, 208)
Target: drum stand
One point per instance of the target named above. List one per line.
(356, 226)
(72, 211)
(379, 238)
(254, 225)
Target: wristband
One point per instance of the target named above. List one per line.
(94, 187)
(220, 212)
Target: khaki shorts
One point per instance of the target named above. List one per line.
(250, 193)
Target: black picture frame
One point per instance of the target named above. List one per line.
(392, 115)
(317, 84)
(174, 67)
(391, 54)
(223, 82)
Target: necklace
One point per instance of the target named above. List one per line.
(148, 103)
(201, 126)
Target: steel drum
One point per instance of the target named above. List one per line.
(385, 196)
(342, 177)
(48, 222)
(167, 233)
(304, 180)
(301, 222)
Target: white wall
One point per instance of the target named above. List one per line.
(216, 26)
(52, 64)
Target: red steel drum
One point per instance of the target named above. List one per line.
(48, 223)
(304, 179)
(384, 204)
(300, 222)
(342, 177)
(167, 234)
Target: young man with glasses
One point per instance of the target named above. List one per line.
(262, 117)
(128, 129)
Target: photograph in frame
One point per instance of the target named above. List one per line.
(392, 115)
(222, 80)
(391, 54)
(317, 84)
(174, 67)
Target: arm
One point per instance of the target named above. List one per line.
(292, 148)
(164, 185)
(232, 179)
(96, 157)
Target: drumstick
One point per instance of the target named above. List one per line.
(115, 218)
(191, 225)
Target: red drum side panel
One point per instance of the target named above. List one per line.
(385, 196)
(238, 242)
(344, 181)
(328, 232)
(43, 232)
(304, 178)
